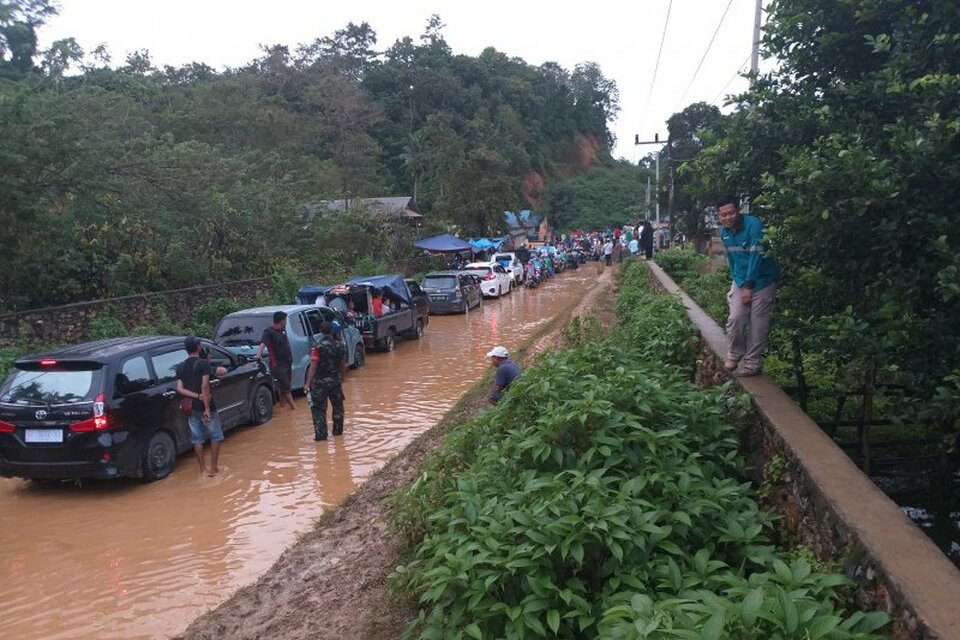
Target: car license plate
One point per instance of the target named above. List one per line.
(44, 435)
(438, 297)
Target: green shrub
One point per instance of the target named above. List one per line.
(603, 498)
(286, 282)
(7, 356)
(709, 290)
(681, 263)
(207, 315)
(655, 325)
(105, 326)
(370, 266)
(582, 330)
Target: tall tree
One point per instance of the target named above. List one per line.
(686, 129)
(849, 149)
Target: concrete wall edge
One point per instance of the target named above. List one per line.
(923, 582)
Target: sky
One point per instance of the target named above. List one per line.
(623, 37)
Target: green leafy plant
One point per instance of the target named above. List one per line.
(106, 325)
(603, 497)
(206, 315)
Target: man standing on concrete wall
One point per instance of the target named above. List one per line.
(752, 292)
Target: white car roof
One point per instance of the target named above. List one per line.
(477, 265)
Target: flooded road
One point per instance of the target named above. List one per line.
(129, 560)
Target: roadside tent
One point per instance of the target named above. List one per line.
(444, 243)
(485, 244)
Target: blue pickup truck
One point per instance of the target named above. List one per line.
(239, 332)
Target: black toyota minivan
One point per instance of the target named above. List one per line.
(109, 408)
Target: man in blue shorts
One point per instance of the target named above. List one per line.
(507, 372)
(193, 381)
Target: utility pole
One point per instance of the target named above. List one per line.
(670, 192)
(656, 140)
(755, 56)
(657, 181)
(647, 203)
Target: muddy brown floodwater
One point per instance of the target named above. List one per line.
(129, 560)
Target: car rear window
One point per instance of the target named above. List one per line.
(480, 271)
(242, 330)
(440, 282)
(36, 386)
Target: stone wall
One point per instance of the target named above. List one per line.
(67, 324)
(828, 505)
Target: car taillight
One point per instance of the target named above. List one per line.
(6, 427)
(489, 276)
(100, 421)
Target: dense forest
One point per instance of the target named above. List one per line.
(123, 178)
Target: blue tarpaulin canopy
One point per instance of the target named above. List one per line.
(393, 284)
(482, 244)
(308, 293)
(443, 244)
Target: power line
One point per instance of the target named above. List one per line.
(735, 74)
(656, 67)
(700, 64)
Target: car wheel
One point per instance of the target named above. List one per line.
(158, 456)
(390, 342)
(418, 334)
(262, 409)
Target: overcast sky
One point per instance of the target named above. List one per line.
(623, 37)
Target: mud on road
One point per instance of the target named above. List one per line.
(332, 583)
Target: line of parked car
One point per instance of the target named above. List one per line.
(109, 408)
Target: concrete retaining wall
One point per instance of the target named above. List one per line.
(830, 506)
(68, 323)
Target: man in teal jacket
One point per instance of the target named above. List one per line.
(754, 286)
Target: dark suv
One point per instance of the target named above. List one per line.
(452, 291)
(110, 408)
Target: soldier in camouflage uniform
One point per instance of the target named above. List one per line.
(324, 379)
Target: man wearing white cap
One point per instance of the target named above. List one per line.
(507, 372)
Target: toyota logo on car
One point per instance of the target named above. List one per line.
(41, 414)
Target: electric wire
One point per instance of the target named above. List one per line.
(733, 77)
(656, 66)
(700, 64)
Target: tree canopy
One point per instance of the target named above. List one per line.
(133, 178)
(850, 150)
